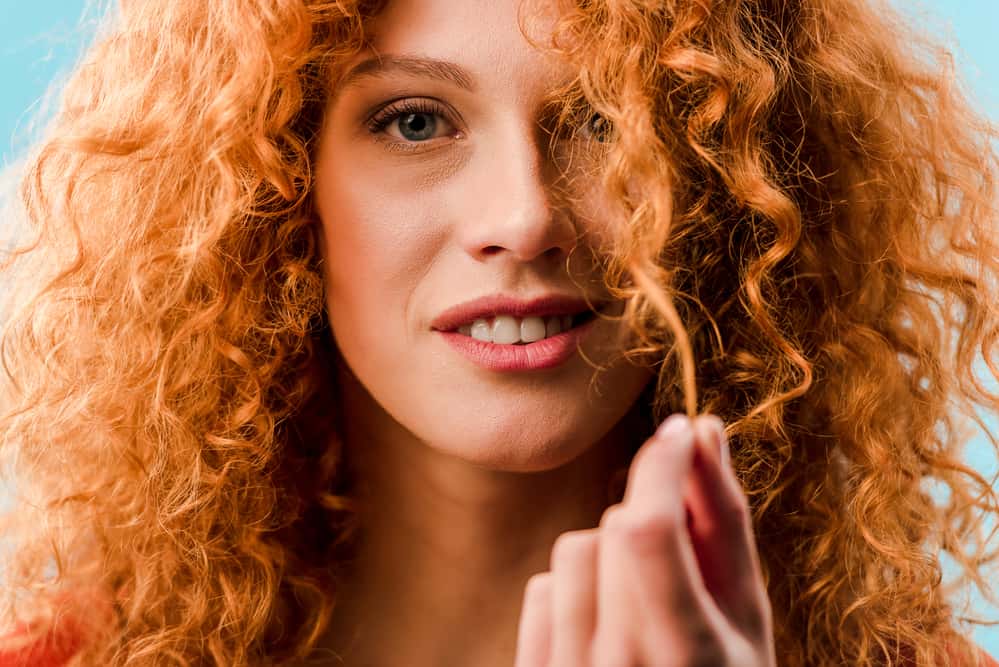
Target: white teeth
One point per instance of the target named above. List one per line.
(532, 329)
(508, 330)
(481, 331)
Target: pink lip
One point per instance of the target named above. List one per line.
(545, 353)
(500, 304)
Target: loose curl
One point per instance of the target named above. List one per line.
(795, 188)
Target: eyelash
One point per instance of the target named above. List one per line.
(393, 111)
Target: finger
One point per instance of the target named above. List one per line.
(648, 587)
(534, 628)
(721, 529)
(647, 569)
(574, 597)
(661, 465)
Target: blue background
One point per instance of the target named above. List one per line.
(40, 41)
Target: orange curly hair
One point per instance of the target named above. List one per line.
(798, 186)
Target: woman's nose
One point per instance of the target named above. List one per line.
(513, 208)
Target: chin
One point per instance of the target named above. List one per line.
(510, 442)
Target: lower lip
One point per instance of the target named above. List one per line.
(545, 353)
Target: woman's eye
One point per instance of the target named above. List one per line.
(598, 127)
(414, 121)
(411, 121)
(417, 126)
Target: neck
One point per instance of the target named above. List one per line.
(446, 546)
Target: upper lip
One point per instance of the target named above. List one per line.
(502, 304)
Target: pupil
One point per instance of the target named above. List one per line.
(599, 127)
(417, 126)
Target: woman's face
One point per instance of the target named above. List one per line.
(435, 186)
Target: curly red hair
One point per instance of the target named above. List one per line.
(806, 215)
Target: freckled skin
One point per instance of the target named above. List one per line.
(454, 457)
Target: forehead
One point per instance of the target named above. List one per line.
(464, 21)
(483, 37)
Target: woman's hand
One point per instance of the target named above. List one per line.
(670, 577)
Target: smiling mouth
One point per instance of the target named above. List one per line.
(510, 330)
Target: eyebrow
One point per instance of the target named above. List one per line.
(387, 64)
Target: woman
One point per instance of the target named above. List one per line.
(349, 327)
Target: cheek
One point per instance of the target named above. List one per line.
(390, 253)
(377, 245)
(598, 219)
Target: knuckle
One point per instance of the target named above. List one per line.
(537, 584)
(610, 652)
(573, 547)
(640, 531)
(610, 514)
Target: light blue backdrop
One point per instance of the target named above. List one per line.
(39, 42)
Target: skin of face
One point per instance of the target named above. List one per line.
(457, 192)
(469, 207)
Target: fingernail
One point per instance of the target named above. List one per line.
(674, 425)
(712, 429)
(723, 448)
